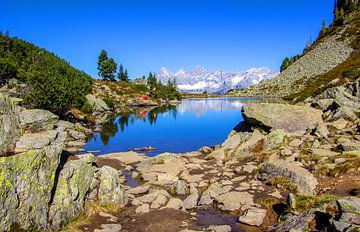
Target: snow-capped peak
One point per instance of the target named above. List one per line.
(199, 80)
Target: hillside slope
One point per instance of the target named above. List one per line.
(43, 79)
(330, 58)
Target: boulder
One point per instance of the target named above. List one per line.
(180, 187)
(150, 197)
(31, 141)
(213, 191)
(175, 203)
(298, 222)
(139, 190)
(111, 192)
(274, 140)
(247, 146)
(233, 201)
(291, 118)
(9, 126)
(97, 103)
(253, 216)
(26, 184)
(72, 187)
(36, 120)
(191, 201)
(305, 181)
(159, 201)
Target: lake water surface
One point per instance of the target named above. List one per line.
(187, 127)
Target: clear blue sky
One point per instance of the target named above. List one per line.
(146, 35)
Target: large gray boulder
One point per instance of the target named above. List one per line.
(26, 183)
(305, 181)
(9, 126)
(73, 184)
(37, 120)
(291, 118)
(31, 141)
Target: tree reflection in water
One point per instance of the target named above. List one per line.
(110, 128)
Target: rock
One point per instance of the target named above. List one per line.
(9, 126)
(291, 118)
(126, 158)
(295, 143)
(274, 140)
(253, 216)
(218, 154)
(246, 147)
(37, 120)
(109, 228)
(180, 187)
(322, 131)
(73, 184)
(292, 201)
(150, 197)
(32, 141)
(175, 203)
(339, 124)
(88, 158)
(305, 181)
(159, 201)
(213, 191)
(111, 192)
(26, 183)
(191, 201)
(97, 103)
(142, 209)
(343, 112)
(166, 163)
(139, 190)
(165, 179)
(323, 152)
(298, 222)
(235, 139)
(349, 205)
(220, 228)
(339, 160)
(350, 146)
(232, 201)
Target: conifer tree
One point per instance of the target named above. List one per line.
(106, 66)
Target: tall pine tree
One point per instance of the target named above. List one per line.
(106, 67)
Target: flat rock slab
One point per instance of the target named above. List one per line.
(232, 201)
(253, 217)
(290, 118)
(126, 157)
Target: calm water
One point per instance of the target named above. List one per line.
(184, 128)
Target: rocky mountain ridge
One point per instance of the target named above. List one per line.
(199, 80)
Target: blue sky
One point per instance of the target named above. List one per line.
(145, 35)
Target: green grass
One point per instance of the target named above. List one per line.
(304, 202)
(282, 183)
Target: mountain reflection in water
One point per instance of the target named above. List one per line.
(187, 127)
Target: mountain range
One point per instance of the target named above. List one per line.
(200, 80)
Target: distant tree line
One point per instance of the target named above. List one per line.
(107, 68)
(157, 90)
